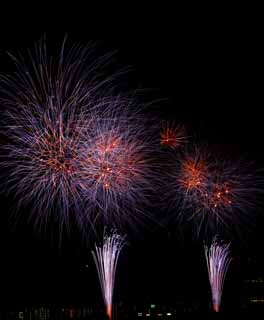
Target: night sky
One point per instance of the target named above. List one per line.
(212, 84)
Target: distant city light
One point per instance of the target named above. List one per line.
(256, 300)
(255, 281)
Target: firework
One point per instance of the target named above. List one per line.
(106, 259)
(49, 107)
(117, 171)
(214, 191)
(72, 147)
(218, 260)
(188, 176)
(172, 136)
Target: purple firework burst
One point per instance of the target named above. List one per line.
(71, 146)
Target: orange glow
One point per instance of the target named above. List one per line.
(55, 152)
(114, 163)
(216, 307)
(109, 312)
(193, 174)
(106, 185)
(221, 196)
(108, 144)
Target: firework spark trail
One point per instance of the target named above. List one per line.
(218, 260)
(71, 146)
(106, 259)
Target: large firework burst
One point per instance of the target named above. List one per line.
(71, 145)
(106, 258)
(218, 260)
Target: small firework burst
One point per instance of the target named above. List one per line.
(188, 177)
(172, 135)
(193, 175)
(213, 191)
(219, 197)
(218, 260)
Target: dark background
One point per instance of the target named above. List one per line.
(212, 83)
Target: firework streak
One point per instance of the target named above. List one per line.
(106, 259)
(218, 260)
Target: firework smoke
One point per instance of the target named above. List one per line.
(106, 258)
(218, 260)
